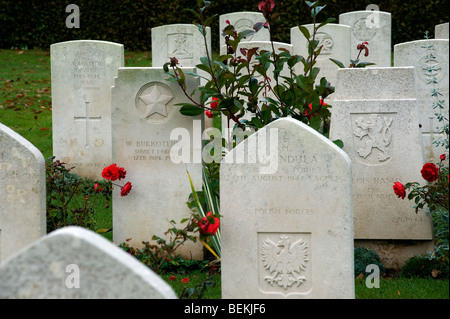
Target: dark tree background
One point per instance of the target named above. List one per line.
(37, 23)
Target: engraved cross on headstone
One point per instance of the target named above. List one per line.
(87, 118)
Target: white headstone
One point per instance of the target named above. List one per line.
(441, 31)
(146, 126)
(241, 21)
(287, 216)
(373, 27)
(22, 193)
(76, 263)
(375, 115)
(335, 39)
(430, 59)
(182, 41)
(82, 75)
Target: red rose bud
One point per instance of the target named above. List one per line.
(430, 172)
(442, 157)
(173, 61)
(207, 228)
(122, 173)
(399, 190)
(125, 189)
(97, 188)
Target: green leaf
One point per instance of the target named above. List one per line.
(190, 110)
(339, 63)
(305, 32)
(339, 143)
(329, 20)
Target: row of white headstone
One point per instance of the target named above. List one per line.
(314, 203)
(292, 232)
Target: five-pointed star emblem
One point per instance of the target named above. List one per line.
(156, 101)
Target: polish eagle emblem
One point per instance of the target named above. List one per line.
(284, 261)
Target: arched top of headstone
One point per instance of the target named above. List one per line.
(74, 262)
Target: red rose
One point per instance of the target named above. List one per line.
(125, 189)
(310, 108)
(172, 278)
(185, 280)
(399, 190)
(209, 114)
(111, 172)
(442, 157)
(266, 7)
(214, 104)
(430, 172)
(206, 227)
(122, 172)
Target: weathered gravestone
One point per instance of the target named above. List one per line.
(373, 27)
(335, 39)
(22, 193)
(441, 31)
(182, 41)
(146, 130)
(241, 21)
(286, 201)
(430, 59)
(185, 43)
(82, 75)
(76, 263)
(375, 115)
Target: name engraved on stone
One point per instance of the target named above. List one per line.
(150, 150)
(87, 69)
(152, 102)
(373, 131)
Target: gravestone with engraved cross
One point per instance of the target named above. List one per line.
(82, 75)
(146, 125)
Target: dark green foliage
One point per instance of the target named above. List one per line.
(364, 257)
(34, 23)
(423, 267)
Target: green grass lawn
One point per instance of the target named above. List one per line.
(25, 107)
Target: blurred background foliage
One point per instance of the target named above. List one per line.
(31, 24)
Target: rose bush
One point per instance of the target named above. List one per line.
(434, 197)
(240, 81)
(113, 173)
